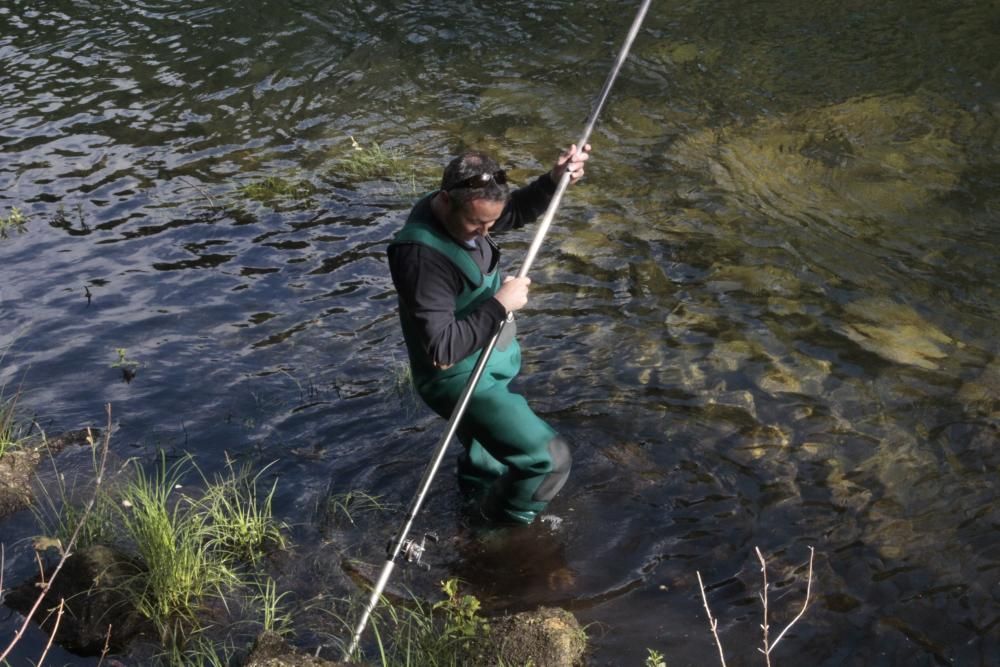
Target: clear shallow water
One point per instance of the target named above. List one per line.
(767, 318)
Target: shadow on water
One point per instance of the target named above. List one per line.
(767, 318)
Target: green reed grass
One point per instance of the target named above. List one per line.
(354, 504)
(273, 617)
(12, 429)
(170, 533)
(374, 162)
(239, 517)
(59, 512)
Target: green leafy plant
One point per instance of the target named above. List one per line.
(129, 367)
(15, 221)
(655, 659)
(460, 613)
(448, 633)
(273, 618)
(123, 360)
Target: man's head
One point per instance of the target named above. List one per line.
(474, 187)
(474, 175)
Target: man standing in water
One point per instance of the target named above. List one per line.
(445, 267)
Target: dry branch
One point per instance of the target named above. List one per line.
(765, 626)
(713, 622)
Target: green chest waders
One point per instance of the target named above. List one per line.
(510, 453)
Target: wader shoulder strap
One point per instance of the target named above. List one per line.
(421, 234)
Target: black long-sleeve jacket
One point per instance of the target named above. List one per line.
(427, 282)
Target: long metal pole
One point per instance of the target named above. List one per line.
(477, 371)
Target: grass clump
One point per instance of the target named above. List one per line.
(353, 504)
(169, 536)
(374, 162)
(13, 430)
(272, 188)
(15, 221)
(196, 551)
(240, 522)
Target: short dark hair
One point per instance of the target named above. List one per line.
(464, 167)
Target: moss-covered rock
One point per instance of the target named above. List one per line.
(546, 637)
(17, 468)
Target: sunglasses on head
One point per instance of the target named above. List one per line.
(481, 180)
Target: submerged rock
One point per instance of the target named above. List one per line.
(983, 393)
(896, 332)
(866, 158)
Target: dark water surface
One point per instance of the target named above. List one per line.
(767, 317)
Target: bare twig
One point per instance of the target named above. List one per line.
(765, 626)
(55, 629)
(68, 550)
(712, 622)
(199, 189)
(812, 553)
(107, 646)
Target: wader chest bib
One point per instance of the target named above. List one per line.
(510, 451)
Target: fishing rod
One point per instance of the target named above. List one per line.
(412, 550)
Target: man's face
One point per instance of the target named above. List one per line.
(474, 218)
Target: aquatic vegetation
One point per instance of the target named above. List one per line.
(374, 162)
(655, 659)
(58, 510)
(273, 617)
(192, 548)
(129, 367)
(15, 221)
(353, 504)
(271, 188)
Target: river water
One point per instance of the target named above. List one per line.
(766, 318)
